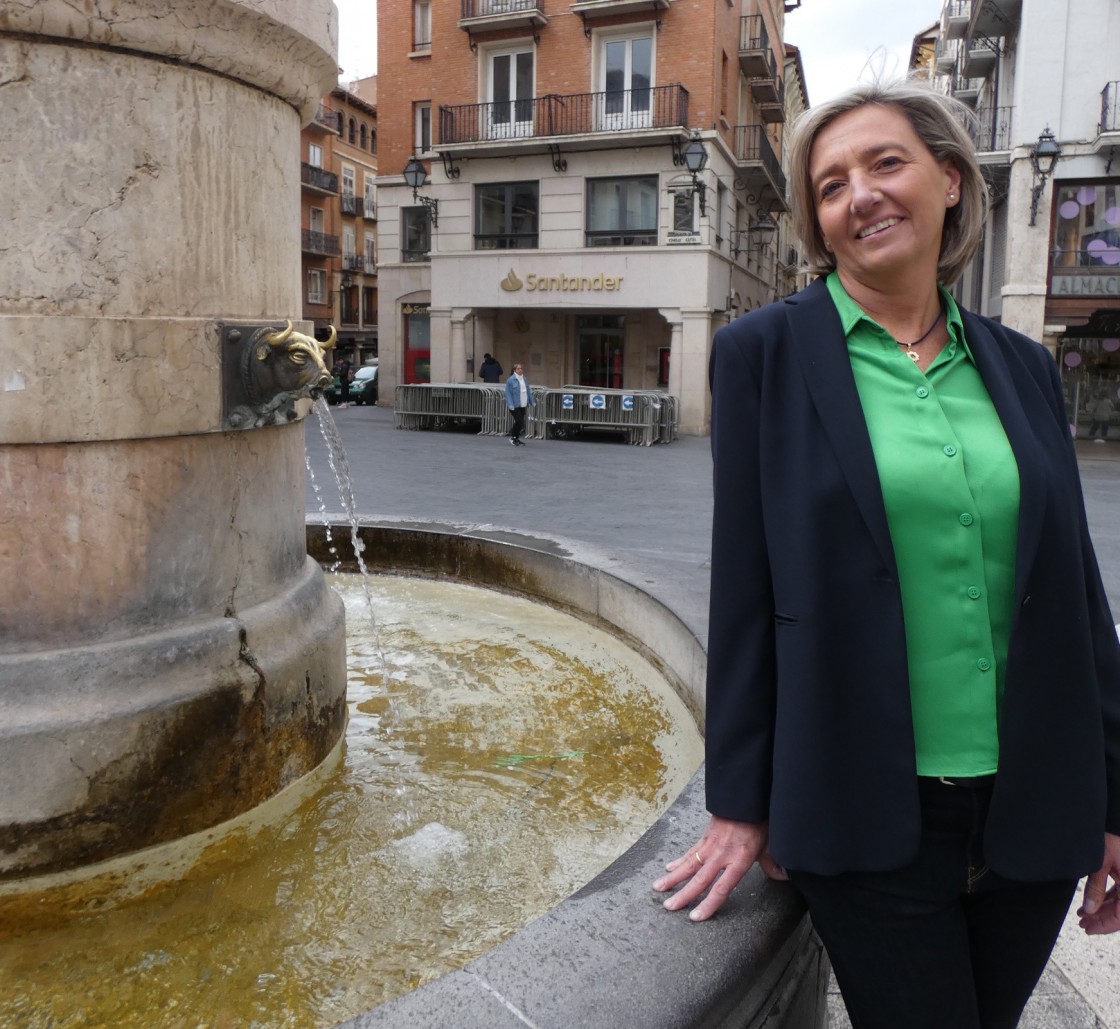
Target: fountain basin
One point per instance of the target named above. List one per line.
(609, 955)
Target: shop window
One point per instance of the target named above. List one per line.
(1087, 226)
(506, 216)
(417, 337)
(416, 234)
(622, 212)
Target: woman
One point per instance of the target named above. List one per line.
(914, 680)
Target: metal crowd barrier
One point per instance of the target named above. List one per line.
(645, 416)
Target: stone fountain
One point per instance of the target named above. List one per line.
(169, 655)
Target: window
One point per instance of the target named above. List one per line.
(316, 219)
(371, 197)
(314, 155)
(371, 253)
(422, 114)
(350, 134)
(316, 286)
(416, 234)
(422, 25)
(349, 245)
(362, 135)
(1087, 227)
(347, 181)
(685, 208)
(627, 74)
(622, 212)
(505, 216)
(373, 141)
(511, 95)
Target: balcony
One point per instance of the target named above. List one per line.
(756, 156)
(955, 18)
(316, 180)
(354, 262)
(370, 267)
(967, 90)
(993, 134)
(604, 8)
(979, 58)
(1110, 109)
(543, 122)
(312, 242)
(995, 18)
(945, 56)
(487, 15)
(325, 120)
(756, 58)
(353, 205)
(772, 105)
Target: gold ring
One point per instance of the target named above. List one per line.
(699, 859)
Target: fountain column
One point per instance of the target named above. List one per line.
(169, 655)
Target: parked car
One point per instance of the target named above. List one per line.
(363, 387)
(363, 390)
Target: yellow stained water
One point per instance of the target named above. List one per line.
(499, 754)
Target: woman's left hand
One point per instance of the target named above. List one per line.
(1100, 908)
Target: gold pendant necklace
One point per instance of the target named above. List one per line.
(910, 351)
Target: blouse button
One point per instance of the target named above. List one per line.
(984, 664)
(974, 592)
(922, 391)
(966, 518)
(949, 449)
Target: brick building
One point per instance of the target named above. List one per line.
(559, 224)
(338, 219)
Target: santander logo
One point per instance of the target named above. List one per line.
(511, 283)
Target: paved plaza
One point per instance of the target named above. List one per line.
(646, 511)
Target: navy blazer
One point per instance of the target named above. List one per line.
(808, 719)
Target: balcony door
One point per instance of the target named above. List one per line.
(511, 95)
(627, 74)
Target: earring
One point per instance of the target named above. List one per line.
(952, 196)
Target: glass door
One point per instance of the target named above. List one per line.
(600, 351)
(627, 77)
(511, 95)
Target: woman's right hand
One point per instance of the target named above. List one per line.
(721, 857)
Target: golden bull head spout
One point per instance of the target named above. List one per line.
(266, 370)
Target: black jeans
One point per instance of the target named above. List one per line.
(944, 943)
(518, 422)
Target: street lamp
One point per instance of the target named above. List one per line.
(415, 176)
(1044, 155)
(759, 235)
(695, 159)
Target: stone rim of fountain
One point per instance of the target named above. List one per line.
(609, 954)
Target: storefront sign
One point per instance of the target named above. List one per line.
(534, 283)
(1085, 286)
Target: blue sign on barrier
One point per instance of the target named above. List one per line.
(567, 401)
(598, 402)
(627, 403)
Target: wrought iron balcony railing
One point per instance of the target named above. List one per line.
(489, 8)
(752, 147)
(353, 204)
(556, 114)
(319, 243)
(310, 175)
(353, 262)
(994, 131)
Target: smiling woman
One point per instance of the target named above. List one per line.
(883, 726)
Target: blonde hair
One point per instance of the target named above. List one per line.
(941, 122)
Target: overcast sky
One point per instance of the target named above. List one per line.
(841, 41)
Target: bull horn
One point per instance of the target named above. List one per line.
(331, 339)
(280, 336)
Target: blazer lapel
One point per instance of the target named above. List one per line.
(817, 337)
(992, 365)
